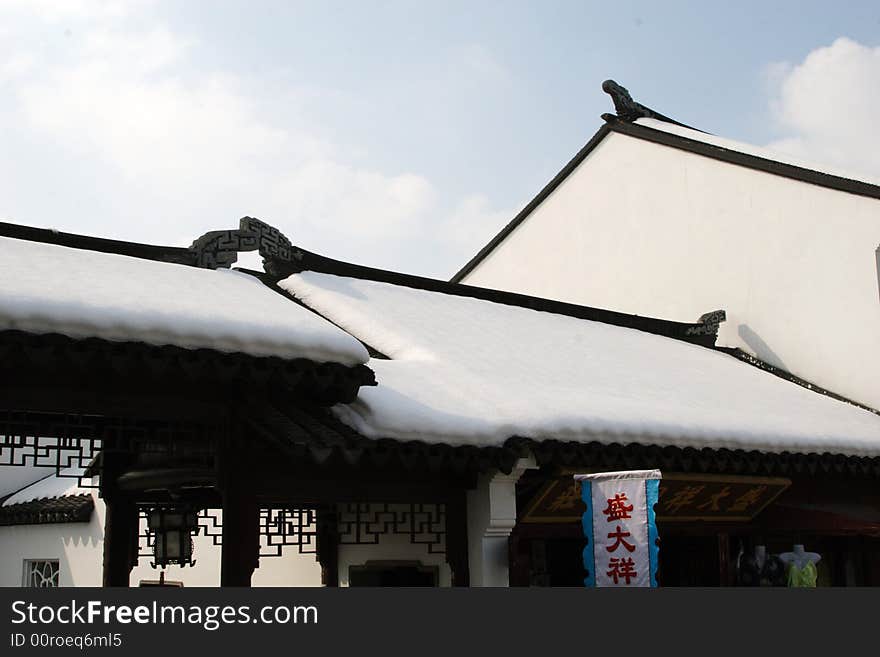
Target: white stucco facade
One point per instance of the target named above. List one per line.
(76, 546)
(648, 229)
(79, 547)
(392, 549)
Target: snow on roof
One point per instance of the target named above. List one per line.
(468, 371)
(756, 151)
(51, 485)
(46, 288)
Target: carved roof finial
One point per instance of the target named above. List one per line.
(220, 248)
(626, 108)
(709, 323)
(629, 110)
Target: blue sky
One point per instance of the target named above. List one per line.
(399, 134)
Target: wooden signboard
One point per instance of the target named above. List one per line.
(683, 497)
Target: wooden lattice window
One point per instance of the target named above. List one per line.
(41, 573)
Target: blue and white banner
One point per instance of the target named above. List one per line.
(620, 527)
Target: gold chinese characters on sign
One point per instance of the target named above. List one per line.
(682, 497)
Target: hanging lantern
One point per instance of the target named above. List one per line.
(172, 530)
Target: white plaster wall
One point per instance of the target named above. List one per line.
(651, 230)
(289, 569)
(79, 547)
(391, 547)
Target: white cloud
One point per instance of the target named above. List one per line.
(132, 140)
(827, 106)
(54, 11)
(16, 66)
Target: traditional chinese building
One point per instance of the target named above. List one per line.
(746, 458)
(397, 429)
(157, 374)
(655, 218)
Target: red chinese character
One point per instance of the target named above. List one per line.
(619, 535)
(621, 569)
(617, 508)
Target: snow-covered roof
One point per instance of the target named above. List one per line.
(46, 288)
(750, 149)
(50, 486)
(469, 371)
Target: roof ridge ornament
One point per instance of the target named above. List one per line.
(629, 110)
(708, 324)
(218, 249)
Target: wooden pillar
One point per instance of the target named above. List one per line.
(519, 559)
(120, 517)
(240, 551)
(328, 545)
(457, 538)
(241, 537)
(120, 538)
(725, 573)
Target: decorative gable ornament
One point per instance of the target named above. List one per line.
(219, 249)
(629, 110)
(708, 324)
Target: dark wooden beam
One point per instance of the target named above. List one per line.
(94, 398)
(320, 486)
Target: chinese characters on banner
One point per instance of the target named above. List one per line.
(620, 527)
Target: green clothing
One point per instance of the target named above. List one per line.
(803, 577)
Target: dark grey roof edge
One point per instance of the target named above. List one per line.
(171, 254)
(702, 332)
(281, 259)
(51, 473)
(548, 189)
(802, 174)
(754, 361)
(49, 510)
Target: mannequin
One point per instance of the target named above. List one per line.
(760, 555)
(757, 569)
(801, 566)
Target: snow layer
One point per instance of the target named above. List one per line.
(467, 371)
(49, 486)
(46, 288)
(749, 149)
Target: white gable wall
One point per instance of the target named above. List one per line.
(651, 230)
